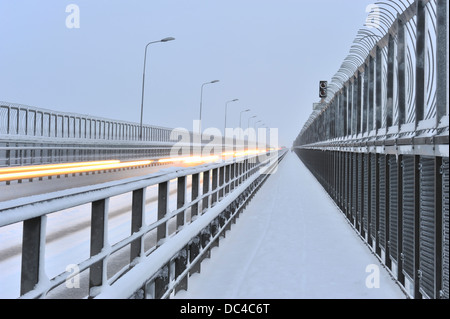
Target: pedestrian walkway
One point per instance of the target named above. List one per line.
(292, 243)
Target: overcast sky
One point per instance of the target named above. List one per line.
(269, 54)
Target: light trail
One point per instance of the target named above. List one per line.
(52, 166)
(35, 171)
(70, 170)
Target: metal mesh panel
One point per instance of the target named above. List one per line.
(346, 181)
(22, 122)
(408, 216)
(354, 184)
(4, 120)
(13, 121)
(373, 195)
(446, 235)
(366, 192)
(393, 207)
(47, 129)
(39, 118)
(382, 201)
(360, 186)
(427, 235)
(31, 126)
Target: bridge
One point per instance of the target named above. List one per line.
(358, 207)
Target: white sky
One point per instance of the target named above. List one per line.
(270, 54)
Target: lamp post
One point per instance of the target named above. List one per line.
(256, 131)
(201, 102)
(240, 119)
(248, 125)
(143, 80)
(226, 108)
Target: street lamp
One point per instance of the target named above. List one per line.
(248, 125)
(226, 108)
(143, 80)
(240, 120)
(201, 102)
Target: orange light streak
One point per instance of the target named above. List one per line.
(72, 170)
(8, 170)
(29, 172)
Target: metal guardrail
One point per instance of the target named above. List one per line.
(218, 193)
(27, 121)
(33, 136)
(379, 144)
(392, 87)
(30, 135)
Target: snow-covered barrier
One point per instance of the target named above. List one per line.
(183, 235)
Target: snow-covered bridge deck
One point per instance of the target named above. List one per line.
(292, 242)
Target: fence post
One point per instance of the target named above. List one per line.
(33, 245)
(221, 181)
(195, 191)
(163, 192)
(215, 176)
(205, 204)
(99, 221)
(181, 200)
(180, 267)
(137, 216)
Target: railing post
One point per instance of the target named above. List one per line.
(227, 178)
(99, 221)
(194, 250)
(137, 216)
(162, 281)
(195, 192)
(232, 174)
(181, 200)
(180, 267)
(215, 177)
(221, 181)
(163, 196)
(33, 246)
(205, 204)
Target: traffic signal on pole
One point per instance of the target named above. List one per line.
(323, 89)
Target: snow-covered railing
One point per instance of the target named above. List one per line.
(184, 235)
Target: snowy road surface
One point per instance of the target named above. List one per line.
(292, 242)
